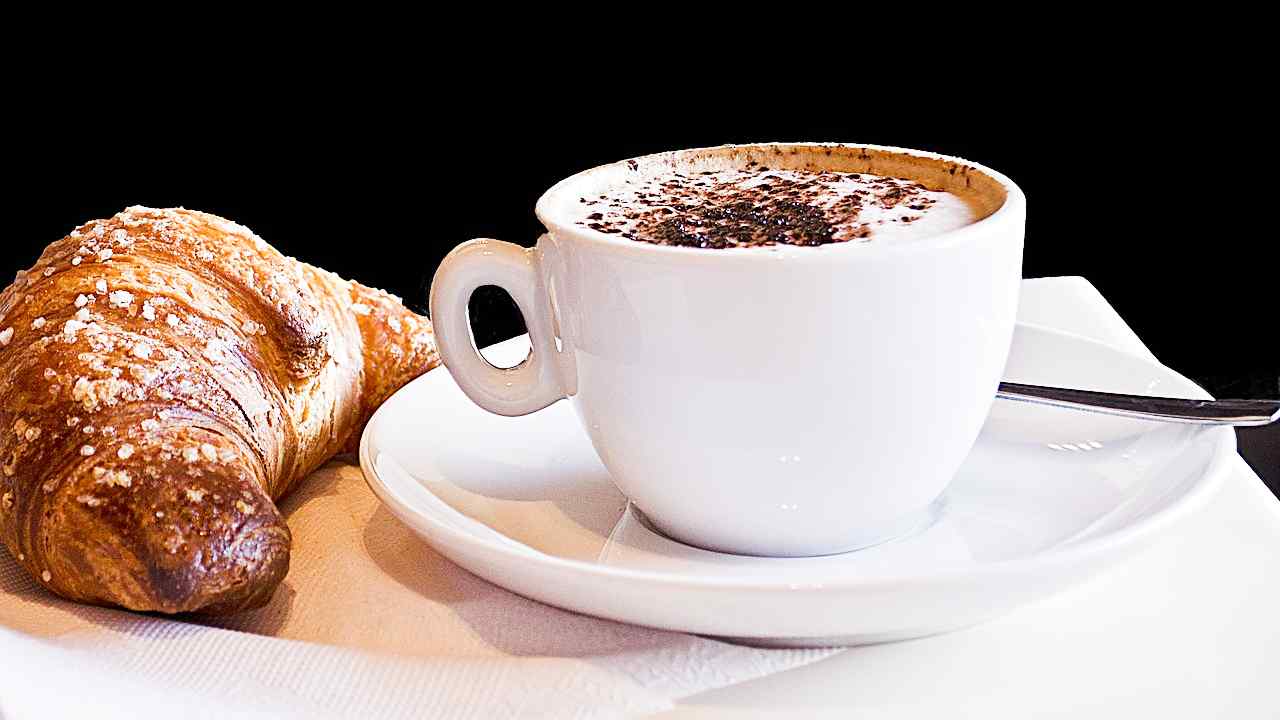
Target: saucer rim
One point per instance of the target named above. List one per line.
(1115, 542)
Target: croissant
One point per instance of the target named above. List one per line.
(165, 377)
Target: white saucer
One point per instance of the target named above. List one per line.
(1046, 499)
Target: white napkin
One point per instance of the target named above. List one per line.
(370, 623)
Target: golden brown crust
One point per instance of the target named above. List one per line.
(165, 375)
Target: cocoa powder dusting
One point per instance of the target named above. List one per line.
(756, 206)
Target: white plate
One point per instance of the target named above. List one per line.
(1046, 499)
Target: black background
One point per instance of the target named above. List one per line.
(1149, 182)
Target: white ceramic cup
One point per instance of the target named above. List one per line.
(782, 401)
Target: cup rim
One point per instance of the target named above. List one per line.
(1011, 210)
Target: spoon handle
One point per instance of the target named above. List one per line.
(1194, 412)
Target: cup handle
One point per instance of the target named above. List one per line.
(520, 390)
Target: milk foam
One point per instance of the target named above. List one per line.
(760, 207)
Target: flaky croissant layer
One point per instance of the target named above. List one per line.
(165, 376)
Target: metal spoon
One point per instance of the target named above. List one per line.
(1174, 410)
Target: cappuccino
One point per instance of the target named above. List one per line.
(760, 206)
(766, 395)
